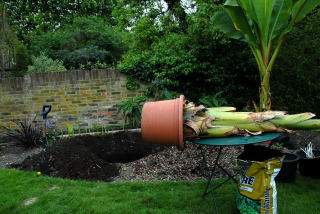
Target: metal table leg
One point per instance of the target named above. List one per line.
(210, 188)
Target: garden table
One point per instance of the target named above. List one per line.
(228, 141)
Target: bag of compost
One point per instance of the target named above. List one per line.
(257, 188)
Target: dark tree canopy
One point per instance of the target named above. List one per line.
(31, 16)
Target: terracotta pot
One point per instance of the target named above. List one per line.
(162, 122)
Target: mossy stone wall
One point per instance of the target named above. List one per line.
(82, 98)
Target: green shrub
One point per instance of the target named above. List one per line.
(43, 63)
(159, 91)
(196, 63)
(87, 57)
(87, 40)
(132, 84)
(131, 110)
(90, 65)
(215, 100)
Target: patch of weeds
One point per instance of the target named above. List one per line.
(70, 128)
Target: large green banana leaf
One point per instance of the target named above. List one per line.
(263, 24)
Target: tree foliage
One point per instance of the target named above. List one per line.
(172, 44)
(34, 17)
(14, 55)
(196, 61)
(86, 40)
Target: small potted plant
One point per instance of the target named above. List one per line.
(309, 161)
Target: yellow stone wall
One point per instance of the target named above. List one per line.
(82, 98)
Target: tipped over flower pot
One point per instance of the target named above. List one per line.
(162, 122)
(170, 122)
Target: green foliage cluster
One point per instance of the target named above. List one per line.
(21, 58)
(132, 84)
(158, 91)
(89, 65)
(131, 110)
(43, 63)
(200, 61)
(295, 80)
(88, 40)
(215, 100)
(35, 17)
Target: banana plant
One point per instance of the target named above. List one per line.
(263, 25)
(202, 122)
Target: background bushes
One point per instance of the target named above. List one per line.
(43, 63)
(198, 62)
(86, 40)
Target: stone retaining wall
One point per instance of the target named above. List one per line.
(82, 98)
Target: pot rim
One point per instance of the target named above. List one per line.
(180, 118)
(292, 154)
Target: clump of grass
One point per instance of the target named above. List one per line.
(27, 133)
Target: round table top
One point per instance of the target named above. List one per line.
(236, 140)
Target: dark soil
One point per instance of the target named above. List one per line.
(123, 156)
(90, 157)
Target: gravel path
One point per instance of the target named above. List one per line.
(11, 153)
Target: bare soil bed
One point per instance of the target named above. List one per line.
(123, 156)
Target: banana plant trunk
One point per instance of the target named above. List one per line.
(264, 91)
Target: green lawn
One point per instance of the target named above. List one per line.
(301, 197)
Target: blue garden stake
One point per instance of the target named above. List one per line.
(44, 162)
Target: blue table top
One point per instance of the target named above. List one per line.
(236, 140)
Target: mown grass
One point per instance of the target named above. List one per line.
(181, 197)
